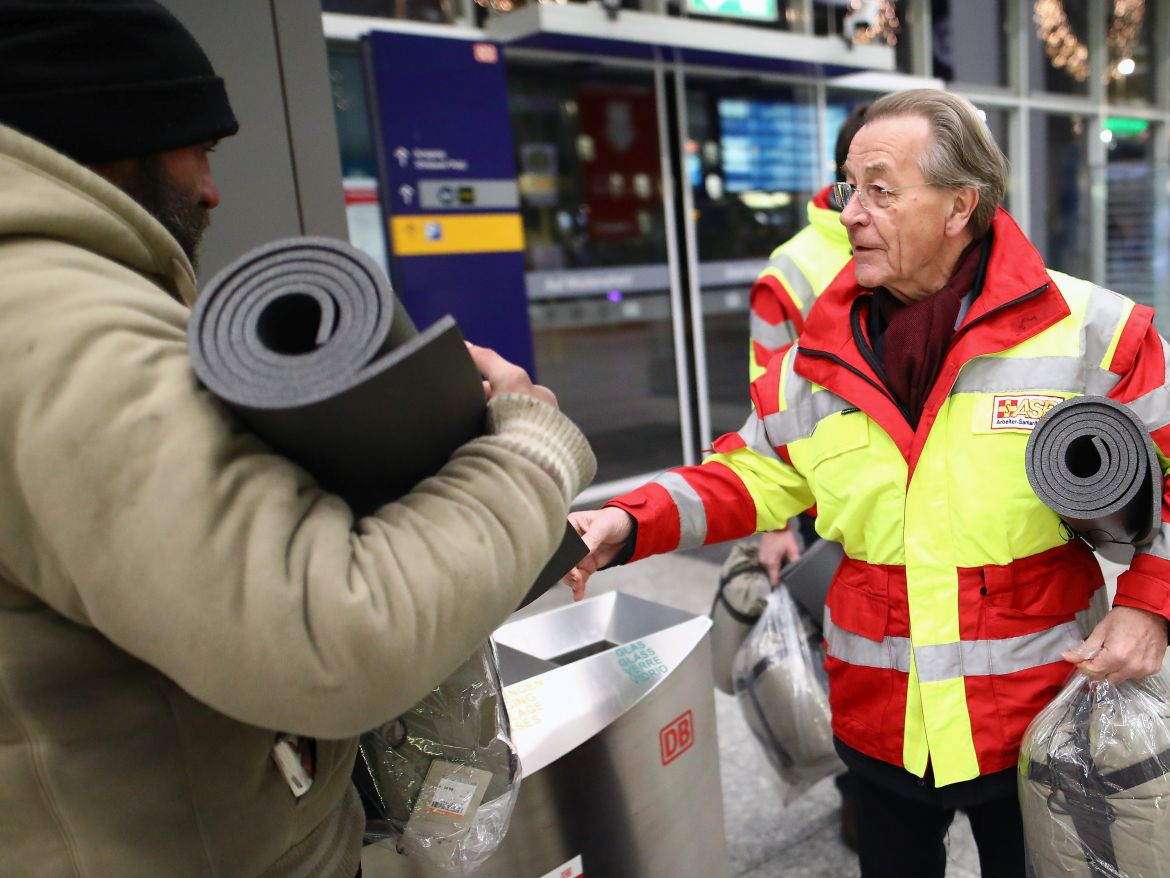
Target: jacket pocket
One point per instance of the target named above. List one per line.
(861, 678)
(859, 599)
(1046, 587)
(839, 434)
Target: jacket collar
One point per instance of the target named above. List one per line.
(1018, 301)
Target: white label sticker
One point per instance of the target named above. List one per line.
(451, 798)
(571, 869)
(448, 800)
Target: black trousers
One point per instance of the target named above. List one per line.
(901, 837)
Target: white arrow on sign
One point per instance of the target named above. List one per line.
(403, 155)
(406, 193)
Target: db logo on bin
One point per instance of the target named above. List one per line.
(676, 737)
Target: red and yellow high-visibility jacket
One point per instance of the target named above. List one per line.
(945, 623)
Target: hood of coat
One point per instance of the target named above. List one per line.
(44, 194)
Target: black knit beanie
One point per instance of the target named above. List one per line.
(101, 80)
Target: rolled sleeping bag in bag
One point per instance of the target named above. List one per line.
(1090, 460)
(1094, 782)
(442, 779)
(743, 592)
(740, 598)
(782, 697)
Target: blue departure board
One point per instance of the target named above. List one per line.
(772, 146)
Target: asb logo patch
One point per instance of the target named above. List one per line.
(1020, 411)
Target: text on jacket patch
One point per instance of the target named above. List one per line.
(1020, 412)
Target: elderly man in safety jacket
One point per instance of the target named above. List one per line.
(951, 621)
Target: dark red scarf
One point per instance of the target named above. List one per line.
(917, 334)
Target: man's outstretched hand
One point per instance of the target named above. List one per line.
(604, 531)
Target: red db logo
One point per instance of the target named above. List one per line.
(677, 737)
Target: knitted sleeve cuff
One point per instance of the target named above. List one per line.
(544, 435)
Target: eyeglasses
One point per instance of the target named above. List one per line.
(870, 195)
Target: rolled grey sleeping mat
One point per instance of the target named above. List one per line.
(1095, 790)
(809, 576)
(740, 598)
(305, 341)
(1091, 461)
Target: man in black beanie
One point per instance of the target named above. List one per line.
(193, 633)
(121, 87)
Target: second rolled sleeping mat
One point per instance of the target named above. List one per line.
(1091, 461)
(305, 341)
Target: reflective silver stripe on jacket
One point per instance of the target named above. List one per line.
(1160, 547)
(1154, 407)
(1081, 373)
(803, 409)
(967, 658)
(771, 335)
(691, 514)
(798, 421)
(798, 283)
(1020, 374)
(892, 653)
(755, 437)
(1103, 319)
(986, 658)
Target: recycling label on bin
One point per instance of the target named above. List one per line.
(640, 662)
(571, 869)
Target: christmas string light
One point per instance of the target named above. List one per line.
(1068, 53)
(885, 27)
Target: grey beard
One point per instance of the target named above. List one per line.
(184, 217)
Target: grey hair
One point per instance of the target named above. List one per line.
(963, 154)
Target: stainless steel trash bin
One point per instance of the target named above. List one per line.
(613, 713)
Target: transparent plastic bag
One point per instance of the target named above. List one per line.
(739, 601)
(1094, 782)
(441, 780)
(781, 689)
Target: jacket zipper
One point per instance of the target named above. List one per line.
(833, 358)
(1024, 298)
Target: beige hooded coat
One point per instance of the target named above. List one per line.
(172, 593)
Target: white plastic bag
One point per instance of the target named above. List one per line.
(1094, 782)
(783, 696)
(441, 780)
